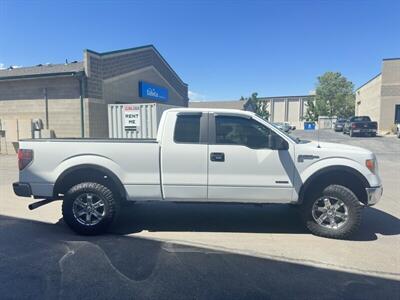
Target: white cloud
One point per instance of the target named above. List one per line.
(3, 66)
(193, 96)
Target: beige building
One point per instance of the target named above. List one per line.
(290, 109)
(71, 99)
(379, 98)
(235, 104)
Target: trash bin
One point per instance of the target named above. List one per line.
(309, 125)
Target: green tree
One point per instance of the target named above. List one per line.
(311, 111)
(261, 107)
(334, 96)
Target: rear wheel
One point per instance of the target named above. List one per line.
(334, 213)
(89, 208)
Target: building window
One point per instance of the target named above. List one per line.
(397, 114)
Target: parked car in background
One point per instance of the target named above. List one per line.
(284, 126)
(202, 156)
(339, 124)
(360, 125)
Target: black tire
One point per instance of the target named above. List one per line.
(354, 209)
(109, 208)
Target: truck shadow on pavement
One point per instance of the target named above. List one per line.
(272, 218)
(47, 261)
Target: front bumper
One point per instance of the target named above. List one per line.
(22, 189)
(374, 194)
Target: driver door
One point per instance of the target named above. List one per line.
(243, 166)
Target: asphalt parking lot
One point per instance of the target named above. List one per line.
(203, 251)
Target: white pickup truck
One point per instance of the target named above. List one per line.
(201, 156)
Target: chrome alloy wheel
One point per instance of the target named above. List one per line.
(330, 212)
(88, 209)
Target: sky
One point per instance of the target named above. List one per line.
(222, 49)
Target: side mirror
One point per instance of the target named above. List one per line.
(277, 143)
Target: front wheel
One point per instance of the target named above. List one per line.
(333, 213)
(89, 208)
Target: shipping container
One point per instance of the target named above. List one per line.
(135, 121)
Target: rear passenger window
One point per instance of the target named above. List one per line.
(187, 129)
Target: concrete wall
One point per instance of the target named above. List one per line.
(114, 76)
(233, 104)
(293, 111)
(94, 73)
(279, 111)
(96, 120)
(379, 97)
(15, 130)
(387, 118)
(64, 118)
(23, 100)
(125, 88)
(64, 114)
(27, 89)
(287, 109)
(368, 100)
(390, 92)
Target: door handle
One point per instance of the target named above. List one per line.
(217, 156)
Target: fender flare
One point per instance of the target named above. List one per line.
(120, 187)
(329, 169)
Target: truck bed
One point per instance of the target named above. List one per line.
(134, 161)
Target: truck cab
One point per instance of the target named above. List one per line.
(222, 156)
